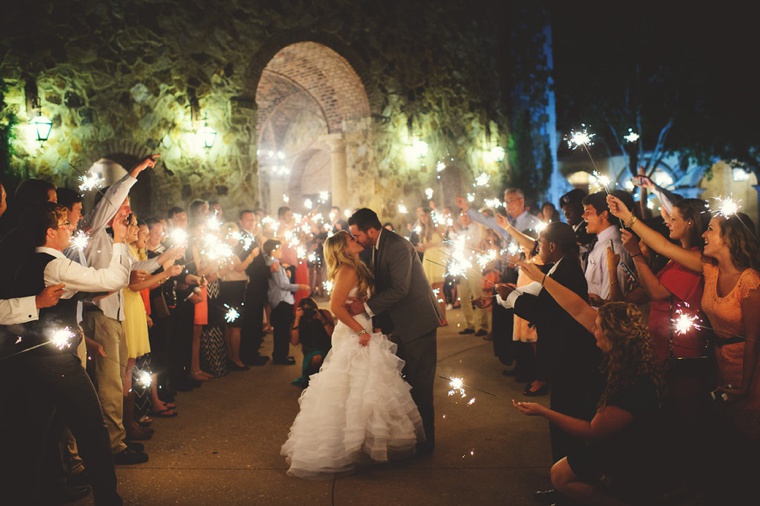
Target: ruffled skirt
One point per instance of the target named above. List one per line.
(357, 409)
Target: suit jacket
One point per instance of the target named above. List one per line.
(566, 347)
(403, 300)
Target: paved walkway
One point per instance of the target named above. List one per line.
(224, 447)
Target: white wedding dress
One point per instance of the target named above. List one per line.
(356, 409)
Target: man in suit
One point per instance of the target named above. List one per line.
(404, 307)
(567, 356)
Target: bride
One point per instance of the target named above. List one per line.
(357, 408)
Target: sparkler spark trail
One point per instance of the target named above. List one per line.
(80, 240)
(231, 315)
(582, 138)
(727, 207)
(61, 338)
(91, 182)
(457, 386)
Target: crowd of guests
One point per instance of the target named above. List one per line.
(642, 328)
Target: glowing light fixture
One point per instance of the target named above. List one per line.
(42, 127)
(208, 134)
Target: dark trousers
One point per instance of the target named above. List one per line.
(56, 385)
(420, 355)
(282, 318)
(181, 342)
(252, 331)
(160, 339)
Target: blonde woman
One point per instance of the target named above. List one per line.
(359, 401)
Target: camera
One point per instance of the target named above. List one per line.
(309, 311)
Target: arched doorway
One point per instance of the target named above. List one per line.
(311, 103)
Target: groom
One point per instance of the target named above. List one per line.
(404, 307)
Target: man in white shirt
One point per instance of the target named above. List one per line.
(599, 221)
(50, 376)
(103, 319)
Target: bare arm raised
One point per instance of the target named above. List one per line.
(692, 260)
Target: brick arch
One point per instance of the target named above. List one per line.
(317, 70)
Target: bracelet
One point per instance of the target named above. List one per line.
(294, 328)
(614, 282)
(363, 331)
(631, 221)
(636, 255)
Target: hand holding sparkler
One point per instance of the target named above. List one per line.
(530, 408)
(50, 296)
(620, 211)
(630, 242)
(532, 271)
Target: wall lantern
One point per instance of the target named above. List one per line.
(209, 135)
(42, 127)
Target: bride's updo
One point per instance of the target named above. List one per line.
(336, 257)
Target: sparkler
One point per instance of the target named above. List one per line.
(457, 386)
(727, 207)
(482, 180)
(80, 240)
(178, 236)
(91, 182)
(144, 378)
(440, 166)
(428, 193)
(61, 338)
(603, 180)
(231, 315)
(402, 209)
(631, 136)
(584, 139)
(328, 286)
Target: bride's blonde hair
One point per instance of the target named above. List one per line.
(336, 257)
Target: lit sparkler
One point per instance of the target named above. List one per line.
(428, 193)
(178, 236)
(145, 378)
(584, 139)
(328, 286)
(631, 136)
(91, 182)
(324, 196)
(457, 386)
(603, 180)
(402, 209)
(440, 166)
(727, 207)
(231, 315)
(61, 338)
(482, 180)
(80, 240)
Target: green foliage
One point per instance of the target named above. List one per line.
(8, 122)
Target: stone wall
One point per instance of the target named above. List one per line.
(123, 75)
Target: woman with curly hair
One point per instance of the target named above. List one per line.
(625, 458)
(357, 408)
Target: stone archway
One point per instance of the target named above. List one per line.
(310, 102)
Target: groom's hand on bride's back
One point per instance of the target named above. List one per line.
(354, 306)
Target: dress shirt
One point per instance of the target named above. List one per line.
(375, 249)
(533, 288)
(19, 310)
(597, 275)
(100, 246)
(280, 287)
(79, 278)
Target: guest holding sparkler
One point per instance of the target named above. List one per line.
(232, 289)
(730, 264)
(50, 376)
(566, 356)
(470, 284)
(626, 458)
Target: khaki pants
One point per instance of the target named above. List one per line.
(109, 372)
(472, 287)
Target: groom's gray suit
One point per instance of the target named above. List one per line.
(407, 310)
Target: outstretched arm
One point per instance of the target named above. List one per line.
(607, 421)
(569, 300)
(692, 260)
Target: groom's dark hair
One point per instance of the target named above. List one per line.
(364, 219)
